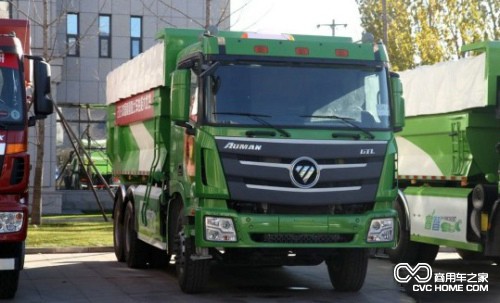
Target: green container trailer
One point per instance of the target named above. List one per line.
(254, 149)
(448, 158)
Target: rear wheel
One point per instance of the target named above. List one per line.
(9, 279)
(118, 230)
(136, 251)
(347, 270)
(192, 274)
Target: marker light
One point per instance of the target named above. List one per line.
(302, 51)
(14, 148)
(261, 49)
(339, 52)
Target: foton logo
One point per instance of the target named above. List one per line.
(367, 151)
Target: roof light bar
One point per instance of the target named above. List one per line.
(267, 36)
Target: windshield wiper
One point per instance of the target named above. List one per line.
(258, 118)
(344, 119)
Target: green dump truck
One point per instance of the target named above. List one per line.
(253, 149)
(448, 160)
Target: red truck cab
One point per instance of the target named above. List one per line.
(14, 157)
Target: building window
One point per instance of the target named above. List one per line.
(105, 36)
(72, 34)
(135, 36)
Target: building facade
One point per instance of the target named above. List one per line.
(84, 40)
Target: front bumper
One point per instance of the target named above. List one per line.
(295, 231)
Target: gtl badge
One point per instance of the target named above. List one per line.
(367, 151)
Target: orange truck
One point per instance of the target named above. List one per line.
(24, 98)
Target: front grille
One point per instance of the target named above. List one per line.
(248, 207)
(288, 183)
(327, 172)
(302, 238)
(17, 171)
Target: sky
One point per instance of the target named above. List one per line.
(296, 17)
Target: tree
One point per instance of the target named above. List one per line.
(430, 31)
(491, 8)
(427, 39)
(398, 18)
(465, 24)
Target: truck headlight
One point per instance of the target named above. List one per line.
(11, 222)
(219, 229)
(381, 230)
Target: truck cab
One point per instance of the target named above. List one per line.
(14, 158)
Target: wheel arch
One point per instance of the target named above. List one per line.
(175, 200)
(401, 198)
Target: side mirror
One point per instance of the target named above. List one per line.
(398, 104)
(41, 91)
(180, 92)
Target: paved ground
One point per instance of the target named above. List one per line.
(97, 277)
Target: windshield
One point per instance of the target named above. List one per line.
(298, 96)
(11, 106)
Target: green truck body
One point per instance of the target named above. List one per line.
(448, 159)
(254, 149)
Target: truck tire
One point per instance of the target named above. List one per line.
(426, 253)
(9, 279)
(192, 274)
(405, 250)
(468, 255)
(136, 251)
(347, 270)
(119, 230)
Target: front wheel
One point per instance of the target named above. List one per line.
(347, 269)
(192, 274)
(405, 249)
(9, 280)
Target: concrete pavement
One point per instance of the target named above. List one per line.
(98, 277)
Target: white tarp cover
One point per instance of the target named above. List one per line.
(144, 72)
(445, 87)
